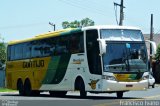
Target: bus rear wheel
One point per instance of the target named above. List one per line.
(20, 87)
(27, 88)
(119, 94)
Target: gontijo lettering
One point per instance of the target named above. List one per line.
(33, 64)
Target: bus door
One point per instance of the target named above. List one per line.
(93, 57)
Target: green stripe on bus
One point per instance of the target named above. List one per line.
(57, 69)
(51, 71)
(71, 31)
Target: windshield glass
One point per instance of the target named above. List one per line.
(121, 34)
(126, 57)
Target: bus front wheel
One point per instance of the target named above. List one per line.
(119, 94)
(83, 93)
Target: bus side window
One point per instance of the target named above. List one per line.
(81, 42)
(37, 47)
(26, 50)
(77, 43)
(18, 52)
(61, 45)
(9, 53)
(73, 44)
(47, 46)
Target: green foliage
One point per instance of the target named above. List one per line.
(87, 22)
(76, 24)
(157, 56)
(6, 90)
(65, 24)
(2, 52)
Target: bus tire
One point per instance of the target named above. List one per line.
(83, 93)
(27, 88)
(20, 87)
(119, 94)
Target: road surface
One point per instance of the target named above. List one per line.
(132, 98)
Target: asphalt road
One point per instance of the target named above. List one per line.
(132, 98)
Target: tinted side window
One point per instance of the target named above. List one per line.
(26, 50)
(37, 48)
(12, 53)
(72, 43)
(77, 43)
(61, 46)
(9, 53)
(48, 46)
(18, 52)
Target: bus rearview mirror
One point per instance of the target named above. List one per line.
(153, 47)
(102, 46)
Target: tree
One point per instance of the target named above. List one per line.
(2, 51)
(157, 56)
(76, 24)
(87, 22)
(65, 24)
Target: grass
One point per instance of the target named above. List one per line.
(6, 90)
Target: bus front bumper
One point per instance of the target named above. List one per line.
(110, 86)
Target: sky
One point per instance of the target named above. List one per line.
(21, 19)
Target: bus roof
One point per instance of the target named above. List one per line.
(110, 27)
(47, 35)
(70, 30)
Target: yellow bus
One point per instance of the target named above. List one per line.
(96, 59)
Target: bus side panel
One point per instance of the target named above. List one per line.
(33, 69)
(56, 69)
(77, 66)
(55, 78)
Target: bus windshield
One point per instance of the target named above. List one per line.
(125, 57)
(121, 34)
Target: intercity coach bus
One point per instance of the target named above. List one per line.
(96, 59)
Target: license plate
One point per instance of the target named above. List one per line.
(128, 85)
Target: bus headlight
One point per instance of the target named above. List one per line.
(145, 77)
(112, 78)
